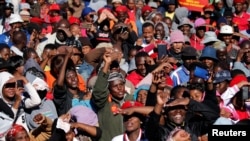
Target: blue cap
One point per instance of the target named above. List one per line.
(86, 11)
(222, 76)
(208, 52)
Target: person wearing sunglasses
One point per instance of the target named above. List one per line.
(17, 97)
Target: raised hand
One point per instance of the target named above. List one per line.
(156, 77)
(107, 56)
(39, 118)
(179, 101)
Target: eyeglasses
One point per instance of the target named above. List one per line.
(10, 85)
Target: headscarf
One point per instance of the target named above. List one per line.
(142, 87)
(13, 131)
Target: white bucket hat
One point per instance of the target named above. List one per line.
(210, 36)
(15, 18)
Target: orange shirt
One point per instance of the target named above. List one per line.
(50, 81)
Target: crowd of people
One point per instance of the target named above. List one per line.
(122, 70)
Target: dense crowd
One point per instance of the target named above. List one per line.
(122, 70)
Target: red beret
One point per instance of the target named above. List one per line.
(146, 8)
(129, 104)
(239, 1)
(121, 8)
(36, 20)
(237, 79)
(208, 7)
(74, 20)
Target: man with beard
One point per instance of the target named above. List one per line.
(181, 75)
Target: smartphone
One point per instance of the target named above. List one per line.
(245, 91)
(162, 50)
(201, 73)
(19, 83)
(236, 28)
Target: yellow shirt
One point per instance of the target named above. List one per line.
(170, 15)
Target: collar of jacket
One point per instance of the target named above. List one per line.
(173, 125)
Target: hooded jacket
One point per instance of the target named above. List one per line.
(29, 99)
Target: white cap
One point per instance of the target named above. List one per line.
(24, 13)
(15, 18)
(152, 4)
(116, 1)
(226, 29)
(24, 6)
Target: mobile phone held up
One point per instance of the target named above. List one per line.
(245, 91)
(201, 73)
(162, 50)
(19, 83)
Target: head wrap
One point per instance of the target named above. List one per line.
(14, 130)
(116, 76)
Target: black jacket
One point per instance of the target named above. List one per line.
(63, 99)
(156, 132)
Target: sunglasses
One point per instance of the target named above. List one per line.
(10, 85)
(121, 30)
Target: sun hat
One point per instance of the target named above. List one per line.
(176, 36)
(185, 21)
(210, 36)
(222, 76)
(15, 18)
(208, 52)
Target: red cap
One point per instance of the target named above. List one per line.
(129, 104)
(54, 7)
(146, 8)
(121, 8)
(208, 7)
(74, 20)
(36, 20)
(237, 79)
(102, 9)
(239, 1)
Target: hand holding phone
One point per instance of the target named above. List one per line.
(162, 50)
(19, 84)
(245, 91)
(201, 73)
